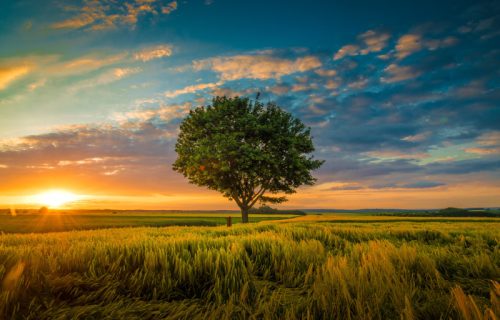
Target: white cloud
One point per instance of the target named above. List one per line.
(417, 137)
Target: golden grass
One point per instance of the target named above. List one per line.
(304, 269)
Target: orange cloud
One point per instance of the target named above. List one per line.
(347, 50)
(411, 43)
(79, 21)
(374, 41)
(369, 41)
(151, 53)
(483, 151)
(345, 196)
(192, 89)
(326, 72)
(107, 14)
(262, 66)
(86, 64)
(279, 89)
(399, 73)
(169, 7)
(408, 44)
(11, 74)
(488, 144)
(163, 112)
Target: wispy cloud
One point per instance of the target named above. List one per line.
(347, 50)
(368, 42)
(395, 154)
(398, 73)
(408, 44)
(417, 137)
(155, 52)
(258, 66)
(411, 43)
(107, 14)
(37, 84)
(104, 78)
(10, 74)
(163, 112)
(193, 89)
(86, 64)
(486, 144)
(171, 6)
(374, 41)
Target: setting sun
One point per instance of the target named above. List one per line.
(55, 198)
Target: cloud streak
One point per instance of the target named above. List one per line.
(10, 74)
(107, 14)
(155, 52)
(368, 42)
(258, 66)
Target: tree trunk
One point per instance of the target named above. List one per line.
(244, 215)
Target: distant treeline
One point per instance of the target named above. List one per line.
(261, 210)
(448, 212)
(269, 210)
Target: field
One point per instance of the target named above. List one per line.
(28, 223)
(310, 267)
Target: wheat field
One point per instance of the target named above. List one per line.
(303, 268)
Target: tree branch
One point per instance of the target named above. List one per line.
(238, 202)
(259, 194)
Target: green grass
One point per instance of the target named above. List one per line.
(67, 222)
(302, 268)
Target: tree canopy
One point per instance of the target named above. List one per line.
(246, 150)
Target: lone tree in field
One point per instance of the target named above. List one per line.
(246, 150)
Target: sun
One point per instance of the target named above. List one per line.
(55, 198)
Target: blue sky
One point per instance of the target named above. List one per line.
(402, 98)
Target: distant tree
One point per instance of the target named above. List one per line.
(268, 210)
(43, 210)
(264, 209)
(245, 150)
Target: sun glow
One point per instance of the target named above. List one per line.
(55, 198)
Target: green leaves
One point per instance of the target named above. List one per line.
(245, 149)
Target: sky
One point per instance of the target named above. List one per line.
(402, 97)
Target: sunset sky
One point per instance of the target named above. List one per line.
(403, 99)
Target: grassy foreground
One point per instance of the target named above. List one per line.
(302, 268)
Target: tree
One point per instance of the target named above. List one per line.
(43, 210)
(248, 151)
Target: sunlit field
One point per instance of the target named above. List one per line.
(312, 267)
(64, 221)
